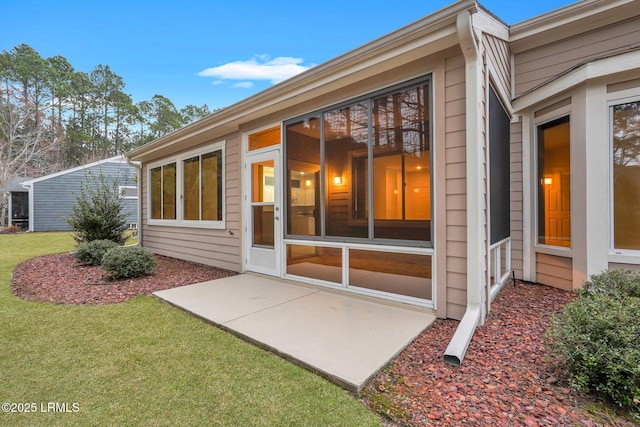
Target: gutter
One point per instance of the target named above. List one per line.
(138, 167)
(474, 314)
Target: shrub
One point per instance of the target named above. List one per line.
(128, 261)
(596, 339)
(98, 211)
(92, 252)
(614, 283)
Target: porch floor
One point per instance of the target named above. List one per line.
(342, 337)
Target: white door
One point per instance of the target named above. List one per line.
(263, 213)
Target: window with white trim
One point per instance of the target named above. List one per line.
(625, 170)
(188, 190)
(128, 191)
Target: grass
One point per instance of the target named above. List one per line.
(144, 363)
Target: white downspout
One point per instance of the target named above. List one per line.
(30, 190)
(138, 168)
(475, 312)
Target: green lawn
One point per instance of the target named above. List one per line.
(144, 363)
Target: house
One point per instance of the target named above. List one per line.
(51, 197)
(17, 202)
(428, 167)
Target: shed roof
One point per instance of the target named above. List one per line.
(15, 184)
(115, 159)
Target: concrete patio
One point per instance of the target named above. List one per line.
(342, 337)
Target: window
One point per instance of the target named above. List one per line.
(188, 190)
(128, 192)
(500, 170)
(163, 192)
(202, 187)
(362, 170)
(554, 183)
(625, 137)
(265, 138)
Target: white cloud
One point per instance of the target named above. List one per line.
(244, 85)
(260, 67)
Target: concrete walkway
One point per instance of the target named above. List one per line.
(346, 339)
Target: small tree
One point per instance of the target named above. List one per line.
(98, 212)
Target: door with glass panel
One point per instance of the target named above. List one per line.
(262, 213)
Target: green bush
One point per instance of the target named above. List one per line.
(98, 211)
(92, 252)
(614, 283)
(596, 339)
(128, 261)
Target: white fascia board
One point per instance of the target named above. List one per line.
(599, 68)
(115, 159)
(488, 24)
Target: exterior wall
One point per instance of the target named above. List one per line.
(587, 102)
(214, 247)
(554, 271)
(536, 66)
(455, 274)
(498, 57)
(517, 201)
(54, 198)
(221, 249)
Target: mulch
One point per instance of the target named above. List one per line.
(505, 378)
(61, 279)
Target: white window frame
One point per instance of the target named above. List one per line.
(628, 256)
(542, 120)
(178, 159)
(122, 191)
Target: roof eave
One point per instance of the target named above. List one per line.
(573, 19)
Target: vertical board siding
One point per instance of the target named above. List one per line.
(214, 247)
(554, 271)
(455, 275)
(54, 198)
(538, 65)
(499, 56)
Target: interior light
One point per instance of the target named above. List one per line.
(337, 180)
(548, 181)
(418, 167)
(308, 183)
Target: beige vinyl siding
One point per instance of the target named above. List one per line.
(517, 206)
(619, 266)
(455, 275)
(628, 84)
(207, 246)
(554, 271)
(536, 66)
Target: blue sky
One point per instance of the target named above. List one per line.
(214, 52)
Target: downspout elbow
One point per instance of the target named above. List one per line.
(457, 348)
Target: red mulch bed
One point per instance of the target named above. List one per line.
(504, 379)
(61, 279)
